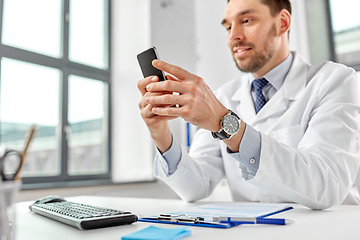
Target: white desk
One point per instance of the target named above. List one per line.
(340, 222)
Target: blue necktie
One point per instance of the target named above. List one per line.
(260, 99)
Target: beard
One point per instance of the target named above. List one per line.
(260, 58)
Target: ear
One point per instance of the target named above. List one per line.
(285, 21)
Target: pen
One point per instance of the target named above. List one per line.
(238, 220)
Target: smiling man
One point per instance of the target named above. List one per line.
(285, 132)
(253, 38)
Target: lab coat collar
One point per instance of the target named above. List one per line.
(294, 82)
(246, 107)
(296, 79)
(243, 100)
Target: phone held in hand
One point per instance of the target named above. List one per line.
(145, 61)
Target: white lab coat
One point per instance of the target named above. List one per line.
(309, 142)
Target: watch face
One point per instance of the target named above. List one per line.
(231, 124)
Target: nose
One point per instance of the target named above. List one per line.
(236, 33)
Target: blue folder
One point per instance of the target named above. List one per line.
(203, 216)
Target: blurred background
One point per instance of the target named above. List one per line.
(69, 66)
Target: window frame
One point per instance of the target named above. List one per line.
(332, 37)
(66, 67)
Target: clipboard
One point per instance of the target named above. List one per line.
(183, 220)
(208, 215)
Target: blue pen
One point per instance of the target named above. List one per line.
(239, 220)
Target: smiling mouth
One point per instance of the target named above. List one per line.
(241, 51)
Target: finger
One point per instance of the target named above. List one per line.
(167, 111)
(167, 86)
(147, 113)
(165, 100)
(148, 95)
(172, 69)
(155, 94)
(142, 104)
(169, 77)
(144, 82)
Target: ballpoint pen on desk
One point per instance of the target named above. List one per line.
(239, 220)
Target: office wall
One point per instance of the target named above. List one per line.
(214, 60)
(131, 146)
(138, 25)
(187, 33)
(299, 29)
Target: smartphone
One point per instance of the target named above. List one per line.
(145, 61)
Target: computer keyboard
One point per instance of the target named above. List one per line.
(81, 216)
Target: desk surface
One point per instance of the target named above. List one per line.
(340, 222)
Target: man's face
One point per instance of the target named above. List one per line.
(252, 34)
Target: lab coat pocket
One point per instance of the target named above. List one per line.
(290, 136)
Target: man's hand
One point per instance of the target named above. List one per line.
(157, 124)
(196, 102)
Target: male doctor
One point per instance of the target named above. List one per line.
(286, 132)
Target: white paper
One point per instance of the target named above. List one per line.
(244, 210)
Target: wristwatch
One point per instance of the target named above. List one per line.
(230, 125)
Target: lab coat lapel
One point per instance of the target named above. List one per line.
(245, 108)
(296, 79)
(294, 82)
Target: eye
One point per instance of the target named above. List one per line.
(228, 28)
(247, 21)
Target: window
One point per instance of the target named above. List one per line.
(55, 73)
(86, 118)
(33, 25)
(88, 33)
(26, 91)
(345, 25)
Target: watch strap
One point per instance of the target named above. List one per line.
(219, 135)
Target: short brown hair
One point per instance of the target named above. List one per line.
(277, 5)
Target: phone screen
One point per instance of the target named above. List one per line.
(145, 61)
